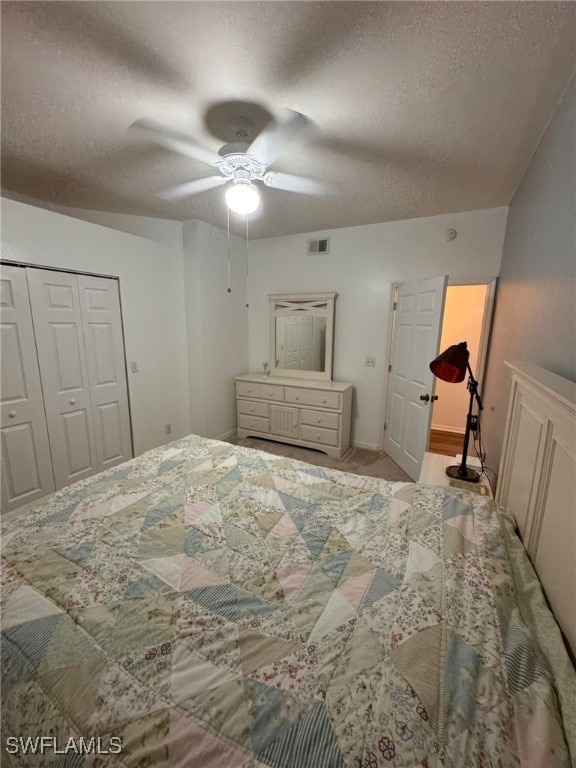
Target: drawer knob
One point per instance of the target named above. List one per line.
(319, 421)
(297, 397)
(270, 394)
(249, 389)
(323, 399)
(253, 424)
(72, 401)
(12, 414)
(317, 437)
(251, 410)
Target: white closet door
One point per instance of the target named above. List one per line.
(102, 323)
(61, 353)
(26, 461)
(415, 340)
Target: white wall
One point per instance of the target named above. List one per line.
(535, 314)
(217, 322)
(362, 265)
(161, 230)
(153, 309)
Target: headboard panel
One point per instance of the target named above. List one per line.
(537, 482)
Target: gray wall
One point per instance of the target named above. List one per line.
(535, 313)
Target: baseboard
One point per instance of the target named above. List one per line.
(366, 446)
(231, 433)
(453, 430)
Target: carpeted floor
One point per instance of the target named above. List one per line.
(357, 460)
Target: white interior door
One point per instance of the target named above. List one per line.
(102, 324)
(61, 353)
(26, 460)
(415, 340)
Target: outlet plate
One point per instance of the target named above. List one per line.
(168, 429)
(370, 362)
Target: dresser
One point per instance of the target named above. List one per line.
(314, 414)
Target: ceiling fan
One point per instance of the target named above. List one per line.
(240, 164)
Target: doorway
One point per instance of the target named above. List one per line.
(467, 315)
(416, 338)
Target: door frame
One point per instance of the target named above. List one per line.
(491, 282)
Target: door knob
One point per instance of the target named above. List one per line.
(12, 414)
(425, 398)
(434, 397)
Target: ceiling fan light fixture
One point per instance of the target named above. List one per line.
(242, 197)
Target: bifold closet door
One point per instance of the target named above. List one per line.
(102, 325)
(62, 356)
(80, 351)
(26, 460)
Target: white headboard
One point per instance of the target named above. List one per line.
(537, 482)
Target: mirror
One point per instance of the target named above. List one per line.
(301, 335)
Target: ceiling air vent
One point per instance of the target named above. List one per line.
(319, 245)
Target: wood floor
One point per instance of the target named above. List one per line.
(448, 443)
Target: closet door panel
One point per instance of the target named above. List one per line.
(75, 431)
(21, 476)
(102, 323)
(26, 460)
(61, 353)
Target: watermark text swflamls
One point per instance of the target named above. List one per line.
(42, 745)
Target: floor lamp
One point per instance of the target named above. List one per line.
(451, 366)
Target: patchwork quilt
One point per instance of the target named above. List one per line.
(209, 606)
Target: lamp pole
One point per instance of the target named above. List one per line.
(462, 472)
(452, 366)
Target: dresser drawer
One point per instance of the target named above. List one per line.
(318, 435)
(247, 389)
(253, 408)
(253, 422)
(313, 397)
(320, 419)
(271, 392)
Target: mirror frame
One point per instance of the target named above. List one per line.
(291, 304)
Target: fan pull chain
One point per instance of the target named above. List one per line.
(229, 287)
(247, 254)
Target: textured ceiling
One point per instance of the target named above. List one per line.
(420, 108)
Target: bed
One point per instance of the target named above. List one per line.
(211, 606)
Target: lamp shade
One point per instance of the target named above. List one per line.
(451, 365)
(242, 198)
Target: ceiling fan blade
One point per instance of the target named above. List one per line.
(176, 141)
(190, 188)
(291, 183)
(271, 143)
